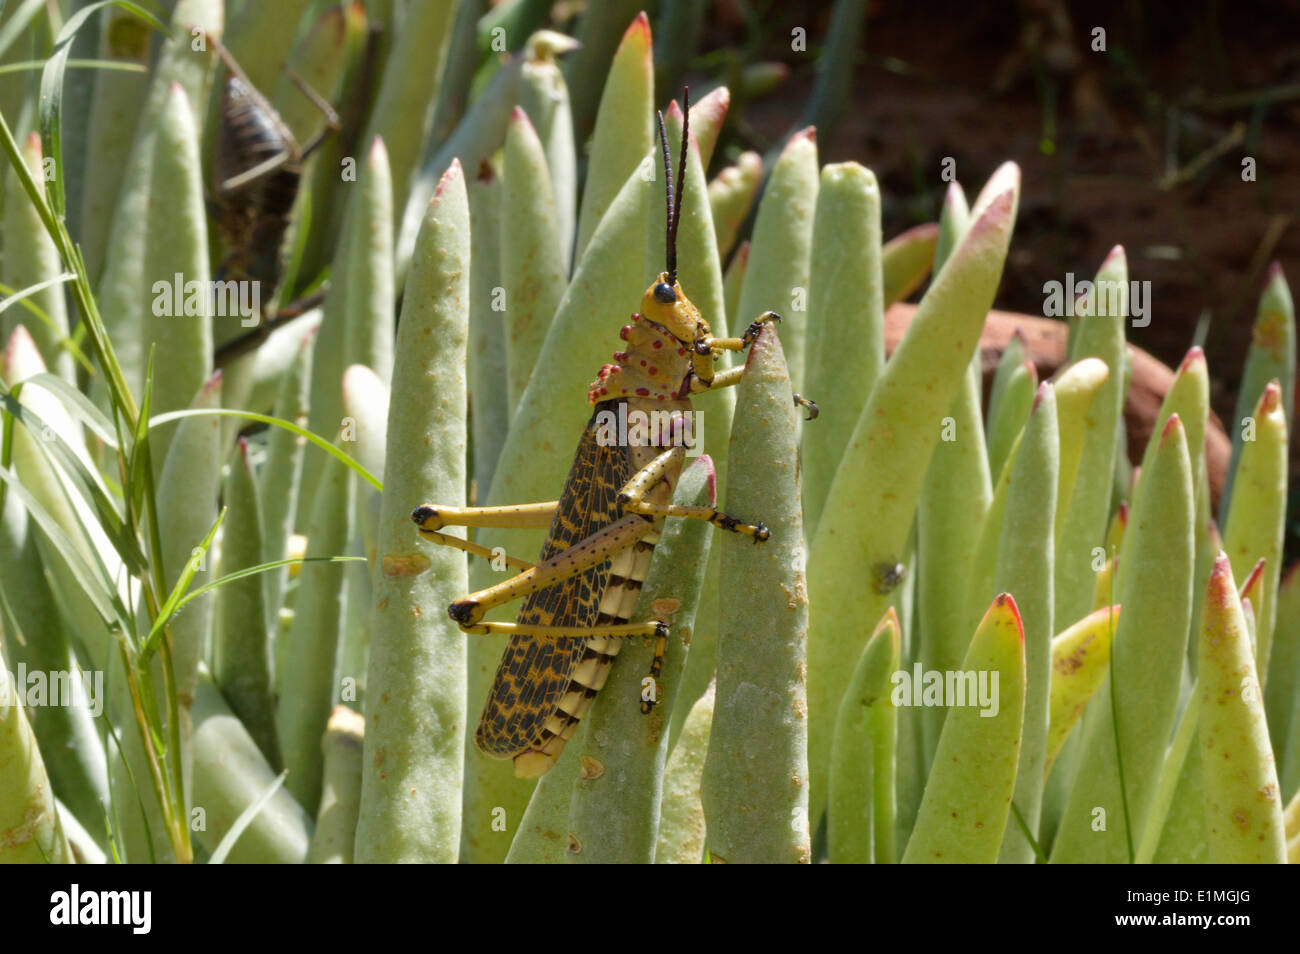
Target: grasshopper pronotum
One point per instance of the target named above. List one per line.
(579, 597)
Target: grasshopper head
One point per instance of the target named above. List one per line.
(666, 340)
(666, 304)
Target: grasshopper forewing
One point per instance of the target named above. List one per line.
(579, 597)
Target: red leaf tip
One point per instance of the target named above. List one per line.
(1171, 425)
(1271, 399)
(1221, 572)
(1008, 602)
(808, 132)
(1255, 575)
(890, 622)
(710, 477)
(453, 172)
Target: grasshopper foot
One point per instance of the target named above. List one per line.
(725, 521)
(464, 612)
(426, 517)
(811, 405)
(756, 326)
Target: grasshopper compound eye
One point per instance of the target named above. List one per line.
(664, 294)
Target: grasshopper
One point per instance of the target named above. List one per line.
(258, 170)
(579, 596)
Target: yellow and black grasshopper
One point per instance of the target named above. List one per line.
(579, 597)
(258, 169)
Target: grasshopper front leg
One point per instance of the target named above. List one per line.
(731, 376)
(741, 343)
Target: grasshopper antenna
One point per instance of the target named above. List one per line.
(670, 240)
(681, 185)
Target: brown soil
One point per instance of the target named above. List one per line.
(1094, 133)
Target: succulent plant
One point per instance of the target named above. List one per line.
(971, 636)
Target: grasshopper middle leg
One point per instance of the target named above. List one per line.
(633, 495)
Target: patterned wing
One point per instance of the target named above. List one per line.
(534, 674)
